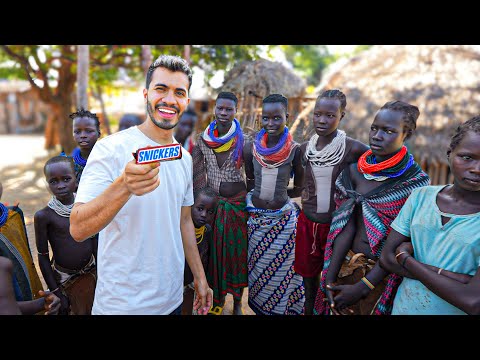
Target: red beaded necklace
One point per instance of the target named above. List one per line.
(365, 168)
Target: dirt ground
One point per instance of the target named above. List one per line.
(21, 174)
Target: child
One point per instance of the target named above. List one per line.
(435, 239)
(185, 128)
(203, 212)
(72, 274)
(86, 131)
(373, 191)
(129, 120)
(274, 287)
(324, 156)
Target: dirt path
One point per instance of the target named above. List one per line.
(21, 174)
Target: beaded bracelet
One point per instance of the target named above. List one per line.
(368, 283)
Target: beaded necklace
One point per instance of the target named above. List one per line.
(276, 155)
(60, 208)
(3, 214)
(390, 168)
(77, 157)
(199, 233)
(233, 138)
(331, 154)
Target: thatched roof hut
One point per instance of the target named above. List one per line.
(251, 81)
(442, 80)
(262, 77)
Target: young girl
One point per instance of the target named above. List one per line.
(72, 273)
(86, 131)
(435, 239)
(273, 285)
(324, 156)
(203, 212)
(369, 195)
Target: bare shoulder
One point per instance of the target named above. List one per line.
(42, 215)
(357, 148)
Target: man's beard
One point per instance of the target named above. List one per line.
(165, 125)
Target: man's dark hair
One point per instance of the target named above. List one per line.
(227, 95)
(172, 63)
(277, 98)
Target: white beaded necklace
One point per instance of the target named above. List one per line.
(331, 154)
(59, 208)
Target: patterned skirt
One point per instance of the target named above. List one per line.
(227, 269)
(274, 288)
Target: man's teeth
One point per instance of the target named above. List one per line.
(167, 111)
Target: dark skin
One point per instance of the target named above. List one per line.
(9, 306)
(274, 120)
(85, 134)
(48, 302)
(387, 135)
(461, 198)
(54, 229)
(203, 212)
(327, 115)
(185, 127)
(225, 110)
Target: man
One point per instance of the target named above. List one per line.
(139, 208)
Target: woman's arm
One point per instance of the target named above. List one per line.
(299, 172)
(464, 296)
(249, 170)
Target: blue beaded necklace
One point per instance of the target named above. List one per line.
(77, 157)
(3, 214)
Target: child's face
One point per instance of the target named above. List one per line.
(274, 118)
(326, 116)
(203, 210)
(465, 162)
(387, 133)
(85, 132)
(61, 180)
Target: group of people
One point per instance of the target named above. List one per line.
(370, 236)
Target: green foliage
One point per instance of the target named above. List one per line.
(308, 60)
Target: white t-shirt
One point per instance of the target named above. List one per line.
(140, 252)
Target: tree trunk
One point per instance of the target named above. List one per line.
(82, 76)
(146, 57)
(64, 127)
(186, 53)
(106, 121)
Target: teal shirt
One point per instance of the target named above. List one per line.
(454, 246)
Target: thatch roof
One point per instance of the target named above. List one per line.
(442, 80)
(261, 78)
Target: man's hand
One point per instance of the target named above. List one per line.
(141, 179)
(204, 298)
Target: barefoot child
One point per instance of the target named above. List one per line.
(325, 155)
(369, 196)
(71, 274)
(203, 212)
(435, 239)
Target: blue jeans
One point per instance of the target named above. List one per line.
(177, 311)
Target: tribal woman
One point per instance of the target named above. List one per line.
(369, 195)
(274, 287)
